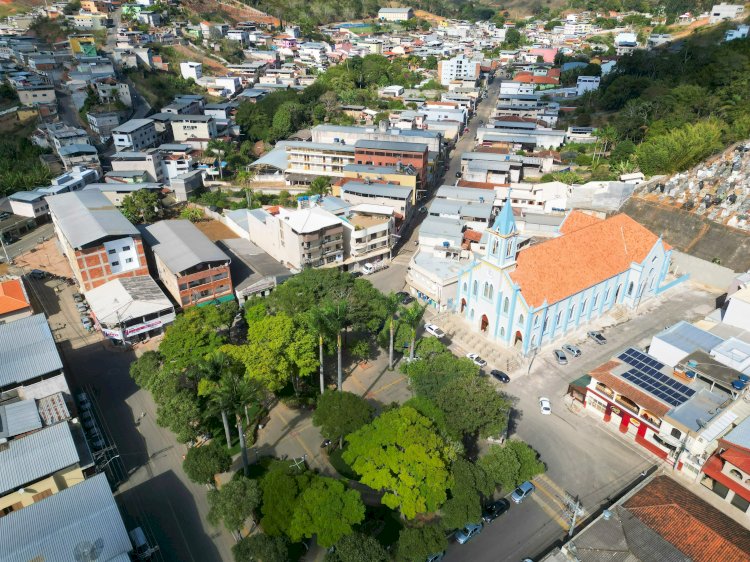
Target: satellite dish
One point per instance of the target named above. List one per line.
(86, 551)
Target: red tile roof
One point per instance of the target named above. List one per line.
(738, 459)
(558, 268)
(12, 297)
(713, 467)
(472, 235)
(577, 220)
(693, 526)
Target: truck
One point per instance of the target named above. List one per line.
(372, 267)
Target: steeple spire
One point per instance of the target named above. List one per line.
(505, 224)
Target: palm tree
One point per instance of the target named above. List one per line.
(210, 372)
(317, 322)
(336, 319)
(413, 317)
(392, 305)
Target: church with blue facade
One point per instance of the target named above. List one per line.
(526, 295)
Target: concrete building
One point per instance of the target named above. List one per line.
(130, 309)
(99, 242)
(192, 70)
(117, 192)
(193, 128)
(459, 67)
(102, 123)
(254, 272)
(308, 160)
(149, 162)
(625, 43)
(394, 196)
(722, 12)
(587, 84)
(36, 95)
(134, 135)
(391, 153)
(310, 237)
(191, 267)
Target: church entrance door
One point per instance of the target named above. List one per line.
(485, 323)
(519, 339)
(463, 304)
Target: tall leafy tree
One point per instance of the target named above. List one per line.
(202, 464)
(281, 491)
(341, 413)
(141, 206)
(234, 503)
(327, 510)
(472, 407)
(211, 369)
(358, 547)
(418, 543)
(335, 313)
(401, 454)
(261, 548)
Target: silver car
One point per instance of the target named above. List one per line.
(469, 531)
(560, 357)
(572, 350)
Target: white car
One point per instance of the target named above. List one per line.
(544, 406)
(434, 331)
(476, 359)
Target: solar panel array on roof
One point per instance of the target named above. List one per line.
(646, 374)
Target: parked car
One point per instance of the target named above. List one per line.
(434, 331)
(544, 406)
(572, 350)
(476, 359)
(469, 531)
(495, 510)
(37, 274)
(597, 337)
(87, 323)
(82, 307)
(522, 492)
(408, 299)
(436, 557)
(356, 274)
(499, 375)
(423, 210)
(402, 295)
(78, 297)
(560, 357)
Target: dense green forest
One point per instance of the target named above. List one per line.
(20, 167)
(670, 8)
(666, 110)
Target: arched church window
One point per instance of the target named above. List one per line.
(476, 288)
(491, 292)
(505, 304)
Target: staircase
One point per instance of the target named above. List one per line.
(497, 356)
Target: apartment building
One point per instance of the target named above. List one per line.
(722, 12)
(307, 160)
(99, 242)
(134, 135)
(193, 128)
(370, 232)
(149, 162)
(459, 67)
(36, 95)
(102, 123)
(394, 196)
(191, 267)
(298, 238)
(405, 176)
(385, 153)
(191, 69)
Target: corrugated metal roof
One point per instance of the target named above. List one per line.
(380, 189)
(20, 417)
(121, 300)
(79, 523)
(391, 145)
(36, 456)
(180, 245)
(88, 216)
(27, 350)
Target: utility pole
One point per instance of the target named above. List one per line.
(574, 511)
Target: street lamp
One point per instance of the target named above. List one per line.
(102, 467)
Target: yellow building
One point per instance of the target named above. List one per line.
(381, 174)
(82, 44)
(37, 466)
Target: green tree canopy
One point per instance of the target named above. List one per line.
(202, 464)
(509, 465)
(327, 510)
(470, 483)
(418, 543)
(261, 548)
(141, 206)
(358, 547)
(281, 491)
(234, 503)
(472, 406)
(340, 413)
(401, 454)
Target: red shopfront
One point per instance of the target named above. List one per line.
(630, 424)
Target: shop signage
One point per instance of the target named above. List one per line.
(635, 422)
(114, 334)
(133, 330)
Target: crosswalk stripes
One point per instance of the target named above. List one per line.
(551, 498)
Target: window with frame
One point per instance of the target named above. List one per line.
(115, 263)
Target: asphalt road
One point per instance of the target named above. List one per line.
(29, 241)
(583, 458)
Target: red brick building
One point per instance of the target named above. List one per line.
(191, 267)
(392, 153)
(99, 242)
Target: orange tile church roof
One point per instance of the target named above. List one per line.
(558, 268)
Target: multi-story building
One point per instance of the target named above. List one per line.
(134, 135)
(404, 176)
(193, 128)
(308, 160)
(370, 232)
(587, 84)
(37, 95)
(396, 197)
(310, 237)
(391, 153)
(192, 70)
(149, 162)
(459, 67)
(99, 242)
(191, 267)
(395, 14)
(102, 123)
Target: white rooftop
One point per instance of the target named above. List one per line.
(123, 299)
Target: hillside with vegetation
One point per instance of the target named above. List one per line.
(663, 111)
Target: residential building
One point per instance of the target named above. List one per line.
(459, 67)
(37, 95)
(587, 84)
(66, 522)
(659, 520)
(722, 12)
(130, 309)
(29, 203)
(741, 32)
(109, 247)
(395, 14)
(149, 162)
(309, 237)
(397, 197)
(727, 471)
(193, 128)
(102, 123)
(625, 43)
(405, 176)
(191, 267)
(14, 301)
(392, 153)
(308, 160)
(117, 192)
(75, 155)
(134, 135)
(369, 234)
(192, 70)
(524, 297)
